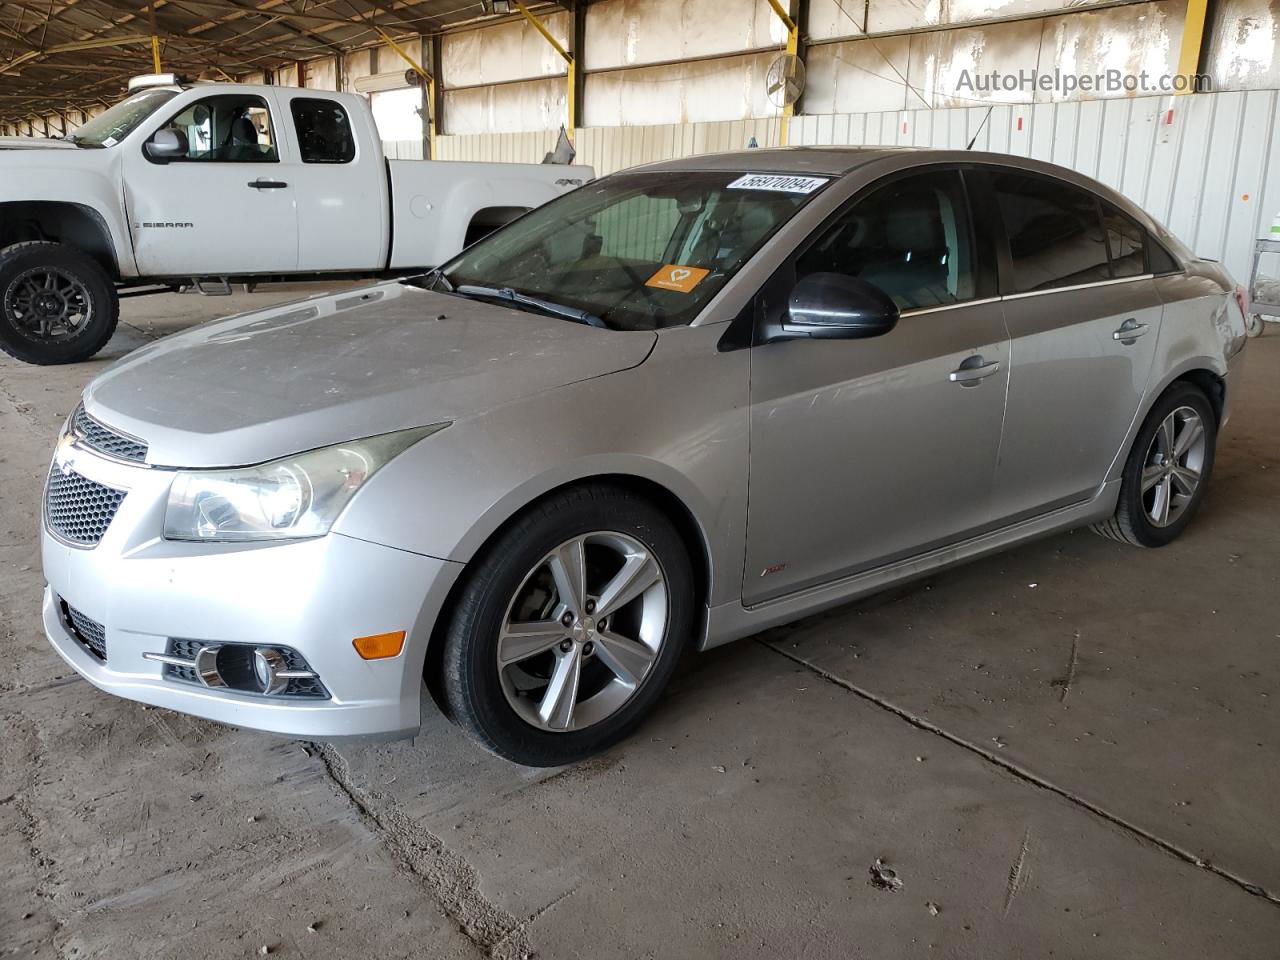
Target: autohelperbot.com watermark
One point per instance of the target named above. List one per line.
(1066, 83)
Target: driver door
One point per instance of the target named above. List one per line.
(867, 451)
(221, 208)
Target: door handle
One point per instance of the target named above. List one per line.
(1129, 331)
(267, 184)
(973, 370)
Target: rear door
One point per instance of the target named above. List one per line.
(221, 208)
(867, 451)
(1084, 319)
(340, 183)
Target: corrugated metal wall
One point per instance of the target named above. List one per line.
(1207, 165)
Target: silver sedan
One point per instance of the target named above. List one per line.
(677, 406)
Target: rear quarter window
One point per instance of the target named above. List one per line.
(324, 130)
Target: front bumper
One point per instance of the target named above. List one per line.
(314, 596)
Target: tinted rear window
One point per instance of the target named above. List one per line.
(324, 131)
(1055, 232)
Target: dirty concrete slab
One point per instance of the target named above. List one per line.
(140, 832)
(1145, 681)
(743, 821)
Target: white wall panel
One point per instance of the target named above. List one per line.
(322, 74)
(355, 65)
(511, 107)
(731, 88)
(1244, 45)
(509, 51)
(629, 32)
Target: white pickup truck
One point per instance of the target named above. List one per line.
(208, 184)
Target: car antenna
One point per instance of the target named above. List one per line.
(980, 126)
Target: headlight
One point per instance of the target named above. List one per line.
(299, 496)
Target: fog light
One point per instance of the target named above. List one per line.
(268, 664)
(270, 671)
(380, 646)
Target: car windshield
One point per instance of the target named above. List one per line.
(636, 251)
(113, 125)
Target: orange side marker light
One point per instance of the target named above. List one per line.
(380, 646)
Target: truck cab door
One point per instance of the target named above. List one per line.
(335, 161)
(222, 206)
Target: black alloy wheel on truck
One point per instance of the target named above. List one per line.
(57, 304)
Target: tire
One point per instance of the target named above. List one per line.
(511, 710)
(69, 323)
(1137, 520)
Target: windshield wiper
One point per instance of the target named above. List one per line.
(546, 306)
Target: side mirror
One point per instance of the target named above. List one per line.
(835, 306)
(165, 145)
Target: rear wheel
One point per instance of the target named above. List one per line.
(1168, 468)
(57, 305)
(569, 627)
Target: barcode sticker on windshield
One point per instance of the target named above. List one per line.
(778, 183)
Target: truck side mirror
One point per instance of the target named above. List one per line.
(834, 306)
(166, 145)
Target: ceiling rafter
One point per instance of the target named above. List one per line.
(72, 54)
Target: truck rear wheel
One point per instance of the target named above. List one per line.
(57, 305)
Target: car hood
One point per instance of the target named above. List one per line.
(338, 367)
(35, 143)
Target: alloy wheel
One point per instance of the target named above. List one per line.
(1173, 467)
(48, 303)
(583, 631)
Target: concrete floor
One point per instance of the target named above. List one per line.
(1069, 750)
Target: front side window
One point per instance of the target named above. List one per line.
(1055, 235)
(324, 131)
(229, 128)
(911, 238)
(111, 126)
(636, 251)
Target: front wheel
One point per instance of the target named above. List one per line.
(569, 627)
(57, 305)
(1168, 468)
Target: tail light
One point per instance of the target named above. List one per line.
(1242, 299)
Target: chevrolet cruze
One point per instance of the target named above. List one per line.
(672, 408)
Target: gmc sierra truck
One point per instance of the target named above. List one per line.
(204, 185)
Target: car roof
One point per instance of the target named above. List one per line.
(838, 161)
(831, 161)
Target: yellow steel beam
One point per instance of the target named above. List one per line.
(431, 85)
(1192, 38)
(785, 17)
(793, 47)
(74, 46)
(155, 36)
(571, 66)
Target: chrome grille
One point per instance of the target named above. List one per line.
(78, 509)
(106, 440)
(91, 634)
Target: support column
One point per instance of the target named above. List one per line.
(438, 125)
(1192, 38)
(579, 49)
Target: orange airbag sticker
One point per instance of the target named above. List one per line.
(678, 278)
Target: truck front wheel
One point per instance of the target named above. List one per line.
(57, 305)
